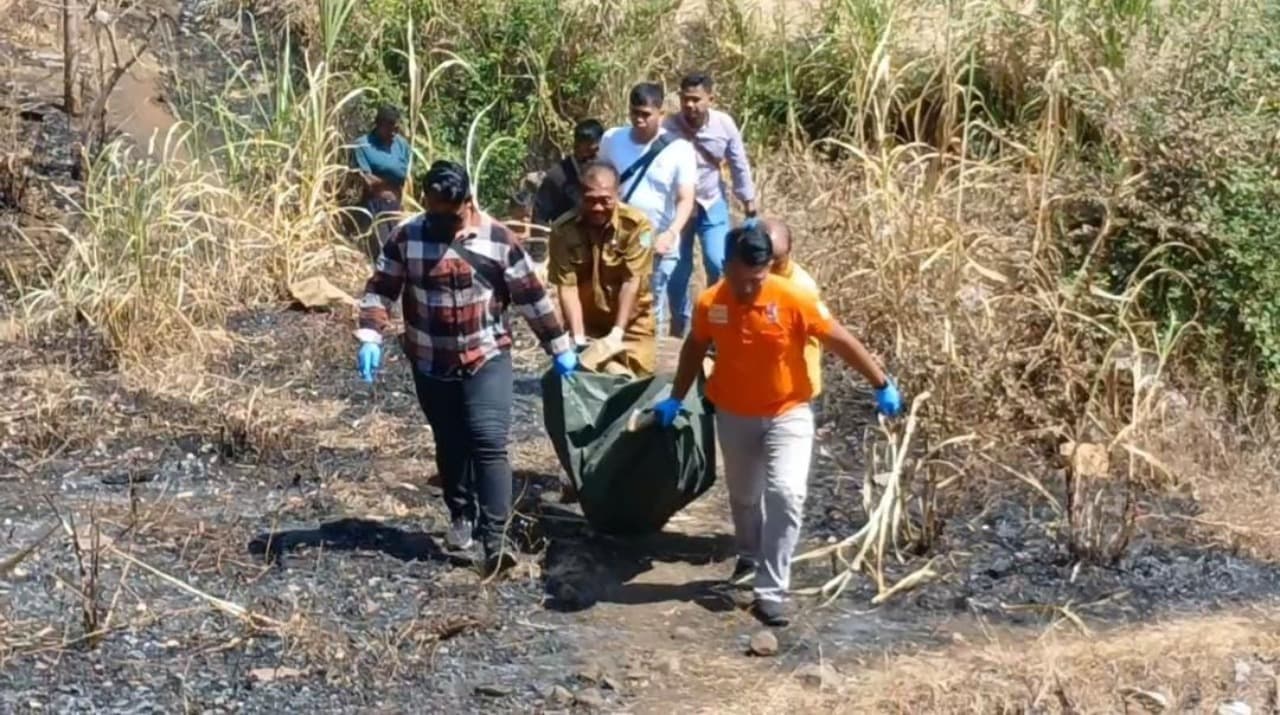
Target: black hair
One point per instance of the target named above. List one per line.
(598, 165)
(646, 94)
(588, 130)
(751, 245)
(447, 181)
(386, 113)
(697, 79)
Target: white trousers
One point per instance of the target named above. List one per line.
(766, 467)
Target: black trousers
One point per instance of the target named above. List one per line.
(471, 419)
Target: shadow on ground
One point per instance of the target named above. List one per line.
(583, 568)
(355, 534)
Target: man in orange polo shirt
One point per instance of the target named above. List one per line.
(759, 324)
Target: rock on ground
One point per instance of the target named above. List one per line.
(764, 643)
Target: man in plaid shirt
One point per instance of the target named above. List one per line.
(457, 270)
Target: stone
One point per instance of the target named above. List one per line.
(764, 644)
(560, 695)
(1150, 700)
(1235, 707)
(493, 690)
(683, 633)
(267, 675)
(590, 698)
(611, 683)
(669, 665)
(1086, 459)
(819, 675)
(591, 672)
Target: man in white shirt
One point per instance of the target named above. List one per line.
(659, 173)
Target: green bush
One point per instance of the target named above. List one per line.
(525, 70)
(1202, 182)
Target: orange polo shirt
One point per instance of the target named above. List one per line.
(760, 348)
(813, 349)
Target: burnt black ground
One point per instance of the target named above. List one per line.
(378, 618)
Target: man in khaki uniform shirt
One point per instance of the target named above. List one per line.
(784, 266)
(601, 259)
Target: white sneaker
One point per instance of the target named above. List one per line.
(458, 537)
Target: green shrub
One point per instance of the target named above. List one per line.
(1197, 160)
(523, 71)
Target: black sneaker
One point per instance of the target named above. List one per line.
(742, 570)
(771, 613)
(498, 559)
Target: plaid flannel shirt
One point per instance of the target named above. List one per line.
(455, 296)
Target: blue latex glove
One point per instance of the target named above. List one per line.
(666, 411)
(888, 400)
(566, 362)
(368, 360)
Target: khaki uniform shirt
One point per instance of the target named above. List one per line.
(812, 348)
(599, 268)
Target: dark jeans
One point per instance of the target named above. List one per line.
(471, 419)
(382, 222)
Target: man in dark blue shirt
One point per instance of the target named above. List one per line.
(382, 158)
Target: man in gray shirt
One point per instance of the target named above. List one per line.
(717, 141)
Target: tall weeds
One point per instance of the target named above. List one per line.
(162, 250)
(960, 259)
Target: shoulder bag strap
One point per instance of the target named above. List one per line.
(642, 164)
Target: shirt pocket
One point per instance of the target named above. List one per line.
(578, 262)
(579, 254)
(449, 281)
(612, 257)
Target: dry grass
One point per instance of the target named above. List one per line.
(1184, 664)
(1190, 661)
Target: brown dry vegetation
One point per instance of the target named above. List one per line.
(974, 254)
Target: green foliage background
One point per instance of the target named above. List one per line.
(1167, 112)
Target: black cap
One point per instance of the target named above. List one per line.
(448, 181)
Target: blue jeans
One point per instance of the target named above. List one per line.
(663, 269)
(711, 225)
